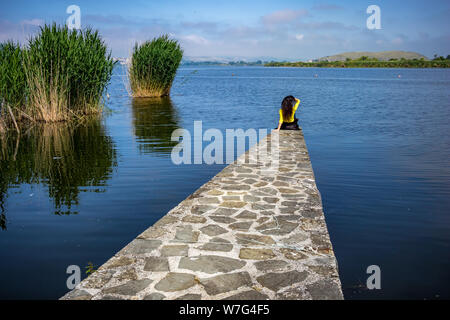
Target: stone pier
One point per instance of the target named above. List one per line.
(255, 231)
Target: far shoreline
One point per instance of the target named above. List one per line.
(288, 65)
(354, 64)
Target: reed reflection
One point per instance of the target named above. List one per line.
(154, 120)
(67, 159)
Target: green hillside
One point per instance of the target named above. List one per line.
(382, 56)
(366, 62)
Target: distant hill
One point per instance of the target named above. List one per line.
(382, 55)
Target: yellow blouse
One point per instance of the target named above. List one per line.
(291, 119)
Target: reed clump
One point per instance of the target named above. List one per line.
(12, 83)
(12, 75)
(153, 67)
(59, 75)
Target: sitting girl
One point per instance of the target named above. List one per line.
(287, 112)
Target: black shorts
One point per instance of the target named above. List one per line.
(290, 125)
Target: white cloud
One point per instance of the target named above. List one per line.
(196, 39)
(299, 36)
(326, 7)
(397, 41)
(33, 22)
(283, 16)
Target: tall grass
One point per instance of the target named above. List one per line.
(12, 75)
(12, 83)
(153, 67)
(60, 75)
(67, 73)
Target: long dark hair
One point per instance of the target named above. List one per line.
(286, 106)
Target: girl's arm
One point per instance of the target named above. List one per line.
(296, 104)
(279, 126)
(280, 122)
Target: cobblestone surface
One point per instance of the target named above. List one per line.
(255, 231)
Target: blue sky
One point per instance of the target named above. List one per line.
(294, 30)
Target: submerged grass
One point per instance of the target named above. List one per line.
(60, 75)
(153, 67)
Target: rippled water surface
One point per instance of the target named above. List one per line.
(379, 146)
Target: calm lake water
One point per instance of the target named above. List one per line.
(379, 146)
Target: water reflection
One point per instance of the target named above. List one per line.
(154, 120)
(66, 159)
